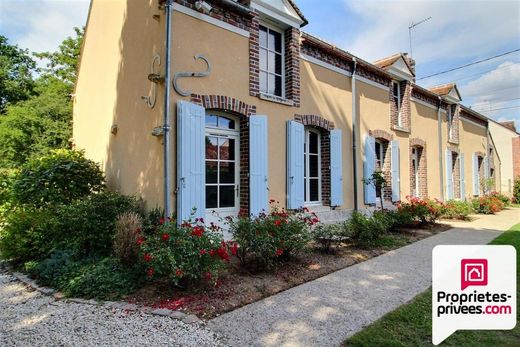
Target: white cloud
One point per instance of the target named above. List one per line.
(500, 84)
(41, 25)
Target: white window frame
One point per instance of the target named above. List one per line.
(415, 165)
(230, 134)
(307, 177)
(282, 33)
(398, 99)
(382, 155)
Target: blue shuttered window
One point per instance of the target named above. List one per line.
(462, 178)
(258, 164)
(476, 176)
(449, 175)
(295, 165)
(369, 166)
(336, 176)
(396, 180)
(190, 160)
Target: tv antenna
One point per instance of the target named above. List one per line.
(412, 26)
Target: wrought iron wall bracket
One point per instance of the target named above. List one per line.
(155, 78)
(191, 74)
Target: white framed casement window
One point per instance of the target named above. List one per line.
(415, 168)
(396, 95)
(312, 167)
(272, 62)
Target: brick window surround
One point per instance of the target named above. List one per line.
(405, 88)
(455, 112)
(324, 126)
(291, 62)
(455, 169)
(481, 177)
(385, 137)
(420, 148)
(242, 111)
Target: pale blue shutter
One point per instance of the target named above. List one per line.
(396, 180)
(369, 166)
(476, 178)
(258, 189)
(449, 175)
(336, 168)
(295, 143)
(462, 178)
(191, 174)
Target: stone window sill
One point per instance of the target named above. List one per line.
(453, 142)
(275, 99)
(402, 129)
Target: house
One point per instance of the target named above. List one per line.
(505, 138)
(259, 110)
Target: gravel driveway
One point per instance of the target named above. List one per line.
(29, 318)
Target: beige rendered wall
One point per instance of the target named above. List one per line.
(472, 139)
(503, 140)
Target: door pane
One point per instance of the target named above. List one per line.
(314, 189)
(313, 166)
(227, 172)
(226, 123)
(313, 142)
(211, 197)
(211, 147)
(211, 120)
(227, 196)
(211, 172)
(227, 149)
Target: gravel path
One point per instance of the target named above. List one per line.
(29, 318)
(326, 311)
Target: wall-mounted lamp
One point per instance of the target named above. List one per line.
(114, 129)
(203, 6)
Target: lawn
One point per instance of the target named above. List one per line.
(410, 325)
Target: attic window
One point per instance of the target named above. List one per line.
(396, 95)
(271, 61)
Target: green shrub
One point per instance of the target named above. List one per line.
(516, 190)
(26, 233)
(455, 209)
(366, 231)
(487, 204)
(99, 278)
(504, 198)
(271, 236)
(326, 235)
(420, 211)
(57, 178)
(87, 226)
(6, 183)
(184, 254)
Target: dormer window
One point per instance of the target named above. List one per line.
(271, 61)
(449, 116)
(396, 96)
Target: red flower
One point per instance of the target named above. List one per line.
(140, 241)
(223, 254)
(202, 252)
(315, 220)
(208, 276)
(234, 248)
(212, 252)
(197, 231)
(179, 273)
(137, 231)
(150, 272)
(277, 222)
(278, 252)
(165, 237)
(161, 220)
(147, 257)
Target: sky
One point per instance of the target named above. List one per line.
(459, 32)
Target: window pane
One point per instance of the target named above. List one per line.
(226, 123)
(272, 87)
(211, 197)
(263, 36)
(227, 172)
(378, 151)
(270, 62)
(211, 120)
(211, 147)
(278, 86)
(396, 89)
(227, 149)
(263, 59)
(278, 64)
(211, 172)
(314, 192)
(275, 41)
(263, 82)
(227, 196)
(313, 166)
(313, 142)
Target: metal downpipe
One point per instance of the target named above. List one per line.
(166, 126)
(439, 130)
(354, 137)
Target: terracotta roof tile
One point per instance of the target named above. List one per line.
(444, 89)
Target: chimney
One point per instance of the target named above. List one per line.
(510, 124)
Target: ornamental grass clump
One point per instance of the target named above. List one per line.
(127, 228)
(270, 237)
(185, 254)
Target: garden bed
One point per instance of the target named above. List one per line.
(238, 287)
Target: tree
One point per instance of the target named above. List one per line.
(16, 68)
(63, 63)
(377, 179)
